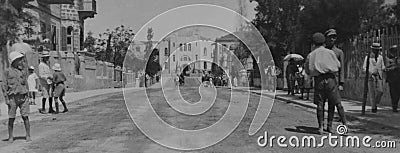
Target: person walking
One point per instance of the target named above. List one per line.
(393, 76)
(291, 70)
(331, 36)
(45, 81)
(322, 64)
(15, 89)
(33, 85)
(375, 80)
(59, 87)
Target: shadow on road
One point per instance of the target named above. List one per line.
(303, 129)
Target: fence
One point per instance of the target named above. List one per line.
(355, 50)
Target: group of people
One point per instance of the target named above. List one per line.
(297, 79)
(52, 85)
(324, 66)
(211, 80)
(20, 88)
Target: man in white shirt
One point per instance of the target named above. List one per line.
(45, 78)
(375, 70)
(323, 65)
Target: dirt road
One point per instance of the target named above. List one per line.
(102, 124)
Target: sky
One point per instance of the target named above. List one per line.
(136, 13)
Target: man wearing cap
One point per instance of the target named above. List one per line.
(15, 89)
(331, 37)
(322, 64)
(45, 81)
(393, 75)
(375, 83)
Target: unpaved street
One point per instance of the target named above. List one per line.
(103, 124)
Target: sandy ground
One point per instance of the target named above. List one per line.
(103, 124)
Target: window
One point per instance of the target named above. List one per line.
(69, 40)
(173, 58)
(185, 47)
(197, 57)
(180, 47)
(205, 65)
(173, 44)
(190, 47)
(166, 51)
(205, 51)
(70, 30)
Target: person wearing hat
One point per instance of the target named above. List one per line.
(59, 87)
(33, 85)
(331, 37)
(322, 64)
(393, 76)
(45, 78)
(15, 89)
(375, 83)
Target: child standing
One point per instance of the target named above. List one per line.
(59, 87)
(15, 91)
(33, 85)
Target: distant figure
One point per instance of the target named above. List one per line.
(176, 79)
(291, 70)
(33, 85)
(375, 83)
(393, 75)
(235, 82)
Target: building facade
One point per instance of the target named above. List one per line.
(180, 50)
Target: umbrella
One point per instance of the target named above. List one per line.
(23, 48)
(295, 57)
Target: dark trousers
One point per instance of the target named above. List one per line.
(394, 94)
(326, 87)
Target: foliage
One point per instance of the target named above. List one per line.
(90, 43)
(287, 25)
(13, 20)
(153, 65)
(115, 44)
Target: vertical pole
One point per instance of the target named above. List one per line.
(366, 82)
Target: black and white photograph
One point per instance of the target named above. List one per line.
(199, 76)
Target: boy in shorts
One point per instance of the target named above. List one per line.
(15, 89)
(59, 87)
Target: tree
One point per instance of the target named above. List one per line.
(287, 25)
(90, 43)
(153, 65)
(12, 19)
(117, 43)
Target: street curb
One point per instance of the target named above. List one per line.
(348, 116)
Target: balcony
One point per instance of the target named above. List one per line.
(57, 1)
(87, 9)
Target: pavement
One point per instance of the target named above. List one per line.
(385, 116)
(69, 97)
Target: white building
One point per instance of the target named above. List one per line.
(180, 50)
